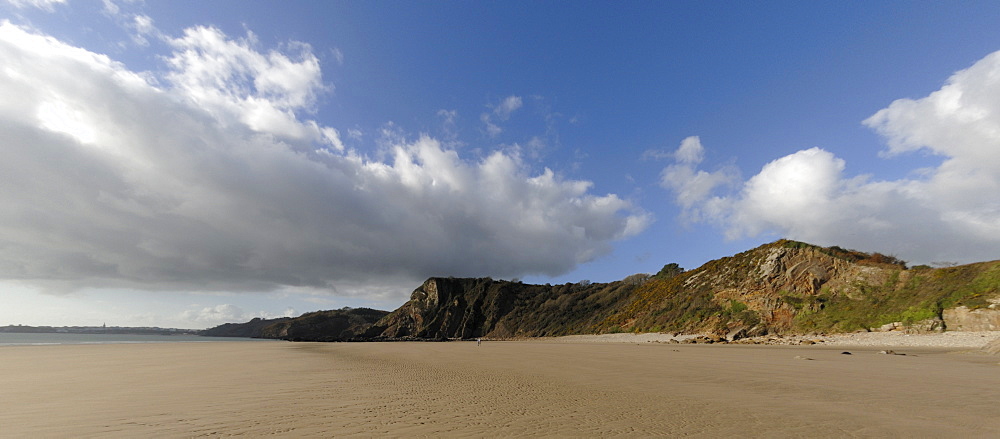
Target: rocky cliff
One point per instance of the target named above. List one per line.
(464, 308)
(781, 287)
(789, 286)
(252, 329)
(335, 325)
(962, 318)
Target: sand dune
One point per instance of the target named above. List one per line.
(498, 389)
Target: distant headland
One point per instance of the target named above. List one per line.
(103, 329)
(785, 287)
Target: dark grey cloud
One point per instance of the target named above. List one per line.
(208, 183)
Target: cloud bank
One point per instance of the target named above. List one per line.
(219, 314)
(214, 176)
(950, 213)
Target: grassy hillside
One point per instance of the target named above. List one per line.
(789, 286)
(908, 296)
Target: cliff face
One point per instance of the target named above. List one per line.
(789, 286)
(781, 287)
(252, 329)
(964, 319)
(336, 325)
(759, 291)
(465, 308)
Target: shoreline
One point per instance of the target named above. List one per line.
(57, 339)
(946, 340)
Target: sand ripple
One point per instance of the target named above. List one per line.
(511, 389)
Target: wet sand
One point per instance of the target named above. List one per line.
(535, 388)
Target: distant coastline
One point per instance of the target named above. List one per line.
(23, 329)
(11, 339)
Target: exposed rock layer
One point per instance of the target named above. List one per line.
(964, 319)
(465, 308)
(779, 288)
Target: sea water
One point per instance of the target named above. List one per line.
(41, 339)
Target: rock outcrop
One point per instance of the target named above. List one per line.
(444, 308)
(962, 318)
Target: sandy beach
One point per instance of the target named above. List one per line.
(535, 388)
(964, 340)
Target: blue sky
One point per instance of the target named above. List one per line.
(191, 163)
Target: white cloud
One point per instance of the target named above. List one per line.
(209, 316)
(46, 5)
(508, 106)
(949, 213)
(690, 151)
(264, 91)
(338, 55)
(797, 192)
(501, 112)
(448, 125)
(110, 7)
(492, 129)
(956, 122)
(215, 314)
(143, 27)
(690, 185)
(57, 116)
(215, 182)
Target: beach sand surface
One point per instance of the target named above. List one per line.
(459, 389)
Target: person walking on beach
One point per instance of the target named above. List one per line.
(479, 341)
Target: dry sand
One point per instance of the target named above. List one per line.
(539, 388)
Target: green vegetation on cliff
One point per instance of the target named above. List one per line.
(907, 296)
(789, 286)
(781, 287)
